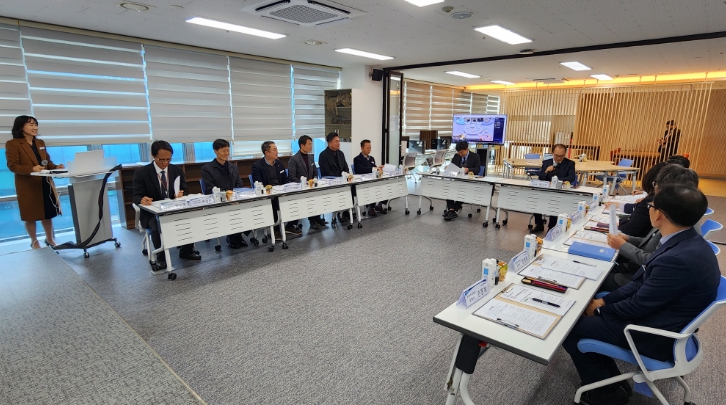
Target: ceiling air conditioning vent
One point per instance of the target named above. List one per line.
(308, 13)
(550, 80)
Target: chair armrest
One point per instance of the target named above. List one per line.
(653, 331)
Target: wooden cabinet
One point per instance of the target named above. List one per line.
(192, 172)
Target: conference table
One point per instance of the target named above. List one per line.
(583, 169)
(470, 326)
(475, 190)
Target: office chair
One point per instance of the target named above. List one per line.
(409, 163)
(438, 159)
(146, 242)
(218, 246)
(352, 169)
(709, 211)
(619, 177)
(687, 350)
(709, 226)
(533, 171)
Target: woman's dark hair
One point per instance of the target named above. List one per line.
(219, 144)
(20, 123)
(682, 204)
(679, 160)
(650, 176)
(160, 145)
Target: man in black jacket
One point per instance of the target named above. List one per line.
(561, 167)
(364, 163)
(668, 145)
(674, 286)
(155, 182)
(302, 164)
(332, 160)
(271, 172)
(224, 175)
(468, 161)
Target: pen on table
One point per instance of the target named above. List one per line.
(545, 302)
(548, 286)
(509, 325)
(586, 264)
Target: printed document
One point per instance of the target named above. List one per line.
(516, 317)
(528, 296)
(592, 237)
(552, 276)
(568, 266)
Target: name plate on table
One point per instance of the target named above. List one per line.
(471, 295)
(576, 216)
(520, 261)
(554, 233)
(366, 177)
(540, 183)
(240, 195)
(292, 187)
(450, 174)
(336, 181)
(172, 205)
(201, 200)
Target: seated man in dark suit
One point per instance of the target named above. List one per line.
(364, 163)
(468, 161)
(271, 172)
(155, 182)
(224, 175)
(674, 286)
(332, 160)
(561, 167)
(302, 164)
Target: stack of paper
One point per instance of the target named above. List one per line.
(530, 321)
(592, 237)
(567, 266)
(538, 299)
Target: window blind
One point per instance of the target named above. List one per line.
(461, 102)
(484, 104)
(261, 100)
(247, 149)
(416, 108)
(309, 87)
(14, 98)
(85, 90)
(189, 95)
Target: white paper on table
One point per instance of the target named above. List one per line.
(177, 185)
(628, 199)
(613, 221)
(524, 295)
(516, 317)
(557, 277)
(592, 237)
(452, 168)
(568, 266)
(389, 168)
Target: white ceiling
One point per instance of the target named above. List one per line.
(419, 35)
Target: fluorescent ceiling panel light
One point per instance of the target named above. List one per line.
(422, 3)
(463, 74)
(235, 28)
(601, 77)
(363, 54)
(502, 82)
(575, 66)
(503, 34)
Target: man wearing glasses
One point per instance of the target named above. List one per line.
(155, 182)
(561, 167)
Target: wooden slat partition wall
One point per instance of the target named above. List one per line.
(626, 122)
(535, 117)
(711, 157)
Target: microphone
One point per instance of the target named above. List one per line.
(44, 163)
(554, 164)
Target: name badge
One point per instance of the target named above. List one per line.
(519, 262)
(471, 295)
(576, 216)
(42, 147)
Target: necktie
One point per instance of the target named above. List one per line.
(164, 186)
(463, 162)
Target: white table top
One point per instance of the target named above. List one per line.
(582, 167)
(527, 183)
(558, 244)
(484, 179)
(533, 348)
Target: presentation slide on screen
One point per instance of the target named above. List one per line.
(479, 128)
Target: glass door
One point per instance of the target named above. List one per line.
(392, 106)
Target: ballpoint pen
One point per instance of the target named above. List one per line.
(509, 325)
(586, 264)
(546, 302)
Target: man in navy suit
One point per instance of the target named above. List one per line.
(675, 285)
(561, 167)
(155, 182)
(468, 161)
(271, 172)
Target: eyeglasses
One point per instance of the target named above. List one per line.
(650, 205)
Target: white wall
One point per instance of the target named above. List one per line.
(367, 110)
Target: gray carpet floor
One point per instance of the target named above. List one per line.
(344, 316)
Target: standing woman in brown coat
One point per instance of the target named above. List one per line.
(37, 197)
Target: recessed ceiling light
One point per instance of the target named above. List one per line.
(460, 15)
(463, 74)
(575, 66)
(601, 77)
(135, 6)
(363, 54)
(313, 42)
(503, 34)
(235, 28)
(502, 82)
(422, 3)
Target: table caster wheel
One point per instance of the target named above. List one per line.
(504, 222)
(431, 207)
(470, 215)
(171, 276)
(497, 226)
(530, 227)
(86, 255)
(418, 212)
(494, 220)
(144, 252)
(264, 239)
(218, 248)
(117, 244)
(485, 224)
(270, 248)
(284, 246)
(255, 241)
(360, 225)
(478, 210)
(390, 208)
(349, 227)
(364, 213)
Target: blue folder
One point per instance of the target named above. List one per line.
(592, 251)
